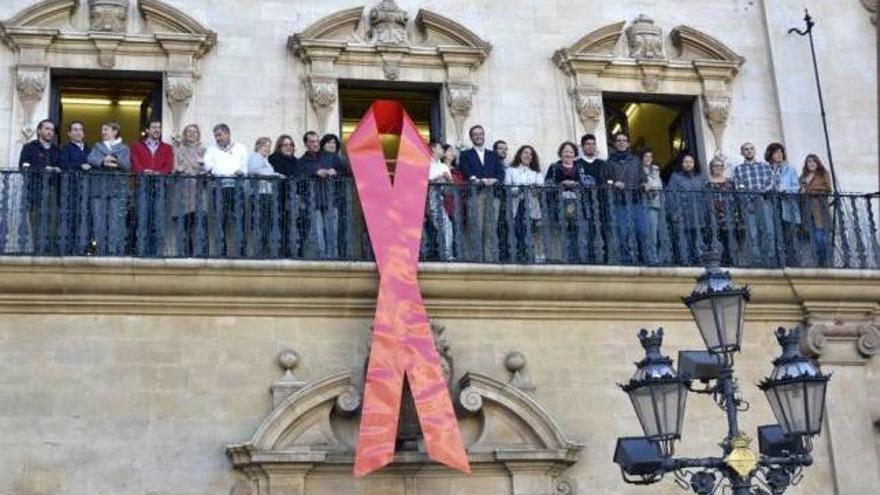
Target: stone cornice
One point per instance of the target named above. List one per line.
(223, 287)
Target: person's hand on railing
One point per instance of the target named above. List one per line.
(239, 173)
(489, 182)
(85, 167)
(25, 166)
(619, 184)
(53, 169)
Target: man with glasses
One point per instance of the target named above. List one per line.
(628, 179)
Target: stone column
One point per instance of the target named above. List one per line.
(843, 347)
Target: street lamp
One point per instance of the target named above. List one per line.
(718, 308)
(795, 389)
(657, 393)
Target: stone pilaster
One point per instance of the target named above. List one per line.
(843, 345)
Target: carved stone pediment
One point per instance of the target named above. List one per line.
(313, 431)
(165, 39)
(385, 42)
(686, 60)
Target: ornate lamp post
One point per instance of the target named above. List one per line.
(795, 390)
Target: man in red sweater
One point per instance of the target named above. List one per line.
(152, 158)
(150, 155)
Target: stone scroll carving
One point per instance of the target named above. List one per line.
(687, 62)
(30, 87)
(386, 42)
(842, 342)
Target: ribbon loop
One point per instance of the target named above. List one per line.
(403, 344)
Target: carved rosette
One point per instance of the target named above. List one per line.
(717, 110)
(388, 24)
(323, 94)
(108, 15)
(178, 93)
(460, 99)
(645, 39)
(30, 87)
(588, 105)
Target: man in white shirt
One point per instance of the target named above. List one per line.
(440, 175)
(227, 160)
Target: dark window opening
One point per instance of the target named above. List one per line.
(94, 97)
(665, 125)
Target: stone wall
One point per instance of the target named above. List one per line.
(132, 377)
(253, 82)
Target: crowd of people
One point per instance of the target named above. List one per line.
(633, 214)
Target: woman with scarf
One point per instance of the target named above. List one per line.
(110, 160)
(189, 155)
(687, 209)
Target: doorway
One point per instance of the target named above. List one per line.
(421, 101)
(665, 125)
(94, 97)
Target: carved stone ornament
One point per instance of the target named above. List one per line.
(716, 106)
(508, 436)
(645, 39)
(460, 99)
(108, 15)
(844, 342)
(588, 105)
(388, 24)
(323, 94)
(30, 87)
(871, 6)
(178, 92)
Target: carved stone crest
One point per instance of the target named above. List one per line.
(30, 87)
(460, 99)
(588, 105)
(644, 38)
(323, 96)
(108, 15)
(717, 110)
(388, 24)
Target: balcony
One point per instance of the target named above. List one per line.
(114, 215)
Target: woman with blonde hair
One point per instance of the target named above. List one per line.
(189, 160)
(265, 217)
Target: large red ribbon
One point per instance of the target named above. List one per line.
(402, 340)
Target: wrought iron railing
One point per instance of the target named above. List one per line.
(109, 214)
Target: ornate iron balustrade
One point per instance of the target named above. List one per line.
(108, 214)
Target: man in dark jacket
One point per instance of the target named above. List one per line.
(38, 158)
(74, 161)
(323, 167)
(483, 169)
(629, 179)
(590, 162)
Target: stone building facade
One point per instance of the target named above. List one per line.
(176, 376)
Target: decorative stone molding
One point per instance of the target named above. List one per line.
(323, 96)
(645, 39)
(387, 43)
(168, 41)
(30, 85)
(639, 58)
(508, 436)
(515, 362)
(588, 106)
(871, 6)
(460, 99)
(179, 91)
(840, 342)
(388, 24)
(108, 15)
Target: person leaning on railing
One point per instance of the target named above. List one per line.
(726, 220)
(653, 205)
(484, 171)
(228, 161)
(628, 178)
(322, 167)
(38, 157)
(784, 181)
(110, 161)
(524, 177)
(439, 175)
(283, 160)
(686, 209)
(74, 160)
(151, 158)
(189, 159)
(267, 239)
(755, 178)
(815, 186)
(569, 177)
